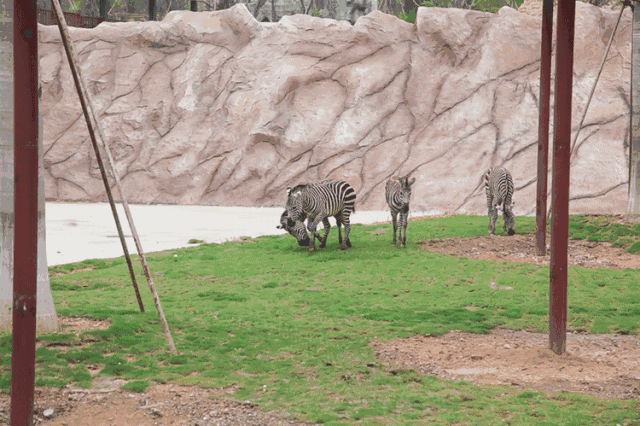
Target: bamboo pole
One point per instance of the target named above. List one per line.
(87, 106)
(83, 102)
(595, 83)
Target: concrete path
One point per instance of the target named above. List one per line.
(80, 231)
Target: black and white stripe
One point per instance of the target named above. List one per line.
(499, 187)
(398, 195)
(316, 202)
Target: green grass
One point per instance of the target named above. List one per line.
(267, 312)
(604, 228)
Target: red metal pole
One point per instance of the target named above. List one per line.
(560, 187)
(543, 126)
(25, 251)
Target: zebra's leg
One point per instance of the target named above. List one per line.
(327, 226)
(403, 229)
(312, 225)
(347, 227)
(394, 220)
(493, 216)
(339, 224)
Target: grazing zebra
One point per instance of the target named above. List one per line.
(316, 202)
(289, 224)
(499, 186)
(398, 194)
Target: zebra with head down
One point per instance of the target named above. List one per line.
(499, 188)
(289, 225)
(316, 202)
(398, 195)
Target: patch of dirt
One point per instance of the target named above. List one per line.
(521, 248)
(163, 404)
(604, 366)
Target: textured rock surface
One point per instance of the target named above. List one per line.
(216, 108)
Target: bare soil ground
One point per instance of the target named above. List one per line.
(163, 404)
(605, 366)
(521, 248)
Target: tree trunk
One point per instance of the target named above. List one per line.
(47, 320)
(633, 208)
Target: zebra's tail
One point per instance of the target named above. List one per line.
(486, 178)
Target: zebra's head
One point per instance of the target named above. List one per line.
(405, 191)
(295, 228)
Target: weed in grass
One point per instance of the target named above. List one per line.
(136, 386)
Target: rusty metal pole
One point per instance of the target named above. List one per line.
(560, 186)
(25, 249)
(543, 126)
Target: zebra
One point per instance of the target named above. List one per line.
(398, 194)
(498, 184)
(289, 224)
(316, 202)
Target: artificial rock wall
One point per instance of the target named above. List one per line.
(215, 108)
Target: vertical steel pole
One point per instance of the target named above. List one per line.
(560, 187)
(25, 250)
(633, 206)
(152, 10)
(543, 126)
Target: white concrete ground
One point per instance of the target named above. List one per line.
(80, 231)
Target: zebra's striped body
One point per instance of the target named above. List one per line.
(398, 195)
(316, 202)
(289, 224)
(499, 187)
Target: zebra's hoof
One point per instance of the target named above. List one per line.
(511, 232)
(312, 249)
(323, 245)
(348, 243)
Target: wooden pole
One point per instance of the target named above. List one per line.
(103, 173)
(560, 187)
(25, 248)
(91, 118)
(595, 83)
(633, 207)
(543, 127)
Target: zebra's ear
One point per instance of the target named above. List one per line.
(412, 181)
(288, 190)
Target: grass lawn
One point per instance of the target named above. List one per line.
(265, 312)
